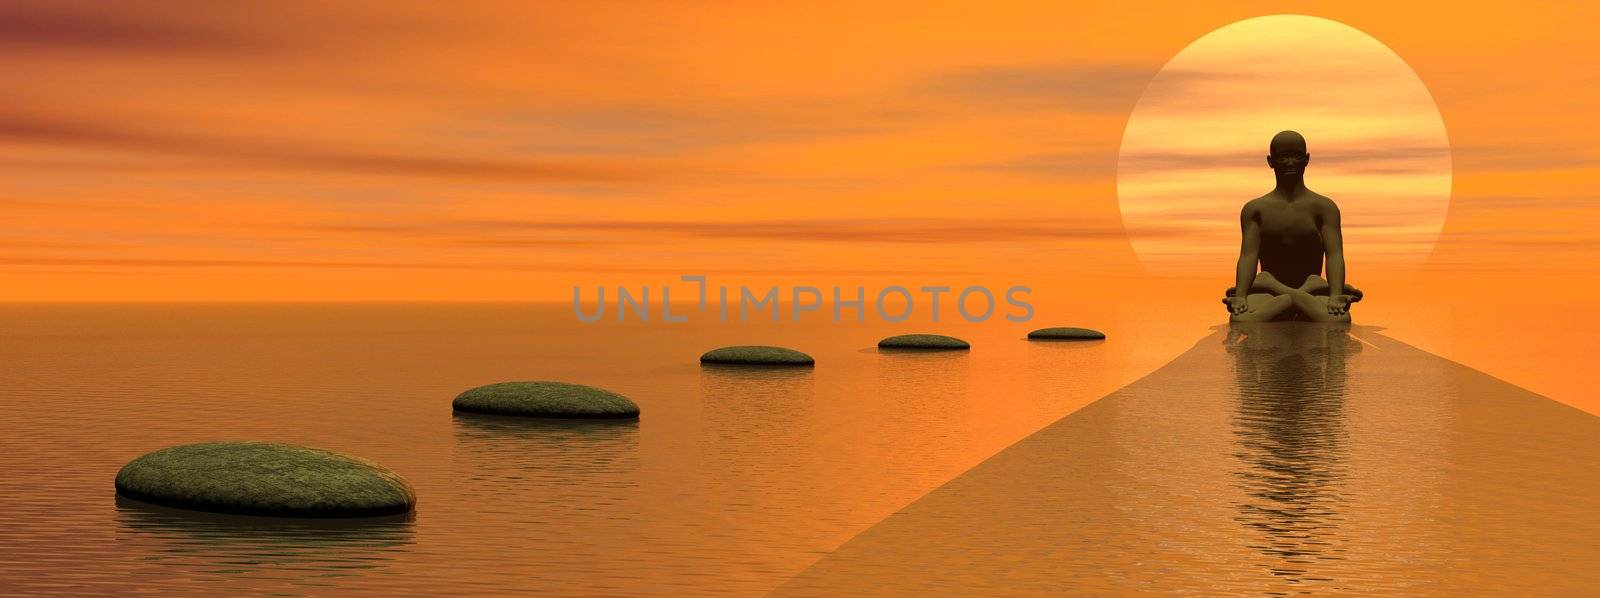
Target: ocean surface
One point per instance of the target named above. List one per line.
(738, 481)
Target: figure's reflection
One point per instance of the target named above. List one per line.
(1291, 439)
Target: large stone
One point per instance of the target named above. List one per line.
(756, 355)
(264, 478)
(1066, 334)
(924, 341)
(546, 399)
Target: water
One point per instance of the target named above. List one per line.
(732, 481)
(1281, 459)
(1278, 462)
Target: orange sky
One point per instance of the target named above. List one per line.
(507, 151)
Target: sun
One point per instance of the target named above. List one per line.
(1195, 145)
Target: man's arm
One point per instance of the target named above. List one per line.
(1333, 247)
(1249, 255)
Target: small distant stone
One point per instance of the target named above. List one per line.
(1066, 334)
(924, 341)
(756, 355)
(266, 479)
(546, 399)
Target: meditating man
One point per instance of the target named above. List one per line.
(1290, 231)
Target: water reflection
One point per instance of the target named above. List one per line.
(1291, 439)
(1057, 369)
(925, 408)
(556, 497)
(757, 419)
(918, 372)
(310, 552)
(1287, 458)
(744, 398)
(594, 461)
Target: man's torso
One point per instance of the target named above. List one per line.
(1291, 236)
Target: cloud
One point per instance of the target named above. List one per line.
(73, 205)
(541, 233)
(1524, 157)
(1573, 240)
(1376, 157)
(563, 267)
(32, 128)
(47, 244)
(55, 26)
(1528, 203)
(652, 130)
(897, 230)
(1090, 88)
(1083, 164)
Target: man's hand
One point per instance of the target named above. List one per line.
(1238, 305)
(1338, 305)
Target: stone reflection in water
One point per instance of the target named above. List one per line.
(925, 414)
(299, 552)
(591, 462)
(922, 389)
(558, 496)
(1291, 441)
(757, 452)
(758, 457)
(758, 421)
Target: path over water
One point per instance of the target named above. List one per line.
(1288, 458)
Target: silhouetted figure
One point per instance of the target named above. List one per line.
(1289, 231)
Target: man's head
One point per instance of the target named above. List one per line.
(1287, 154)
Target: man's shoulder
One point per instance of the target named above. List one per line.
(1255, 204)
(1322, 201)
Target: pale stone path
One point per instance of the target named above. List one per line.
(1295, 458)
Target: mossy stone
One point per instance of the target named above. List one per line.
(1066, 334)
(924, 341)
(264, 478)
(756, 355)
(546, 399)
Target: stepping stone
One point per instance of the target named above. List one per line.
(925, 342)
(1066, 334)
(264, 478)
(546, 399)
(756, 355)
